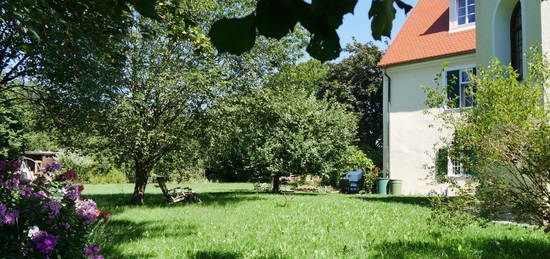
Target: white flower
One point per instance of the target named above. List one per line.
(33, 230)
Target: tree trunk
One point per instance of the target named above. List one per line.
(276, 183)
(142, 175)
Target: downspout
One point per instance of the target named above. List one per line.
(387, 173)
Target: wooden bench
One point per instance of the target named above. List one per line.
(177, 194)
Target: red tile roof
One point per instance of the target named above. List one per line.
(425, 35)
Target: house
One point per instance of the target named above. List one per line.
(465, 34)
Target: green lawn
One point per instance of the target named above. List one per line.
(234, 222)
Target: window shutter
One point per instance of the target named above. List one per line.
(473, 162)
(442, 163)
(453, 88)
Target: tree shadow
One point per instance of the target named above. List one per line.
(227, 198)
(483, 248)
(411, 200)
(119, 202)
(229, 255)
(116, 233)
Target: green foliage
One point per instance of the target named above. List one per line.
(277, 18)
(11, 131)
(270, 133)
(503, 141)
(358, 159)
(357, 82)
(369, 179)
(305, 75)
(92, 168)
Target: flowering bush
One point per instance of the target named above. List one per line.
(44, 218)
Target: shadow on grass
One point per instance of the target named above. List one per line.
(412, 200)
(473, 248)
(113, 236)
(117, 203)
(228, 255)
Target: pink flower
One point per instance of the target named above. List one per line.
(87, 209)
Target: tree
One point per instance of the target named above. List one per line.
(160, 92)
(503, 142)
(277, 18)
(356, 81)
(271, 18)
(166, 85)
(271, 133)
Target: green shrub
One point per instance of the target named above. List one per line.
(92, 169)
(370, 179)
(113, 176)
(355, 159)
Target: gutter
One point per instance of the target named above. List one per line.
(387, 171)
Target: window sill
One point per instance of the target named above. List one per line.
(463, 27)
(459, 177)
(456, 110)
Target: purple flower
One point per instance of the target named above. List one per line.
(53, 167)
(72, 192)
(8, 217)
(97, 257)
(44, 242)
(52, 209)
(3, 166)
(26, 192)
(11, 217)
(15, 165)
(13, 182)
(41, 195)
(87, 209)
(65, 225)
(91, 250)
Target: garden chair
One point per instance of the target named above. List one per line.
(177, 194)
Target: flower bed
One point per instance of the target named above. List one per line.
(45, 218)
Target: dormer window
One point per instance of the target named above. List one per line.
(462, 15)
(466, 11)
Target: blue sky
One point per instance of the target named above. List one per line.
(358, 25)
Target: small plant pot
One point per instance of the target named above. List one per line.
(382, 185)
(395, 186)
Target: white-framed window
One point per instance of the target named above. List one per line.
(456, 168)
(459, 91)
(466, 97)
(466, 11)
(447, 165)
(462, 15)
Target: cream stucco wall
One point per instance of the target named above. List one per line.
(545, 26)
(493, 27)
(408, 138)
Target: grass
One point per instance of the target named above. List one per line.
(234, 222)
